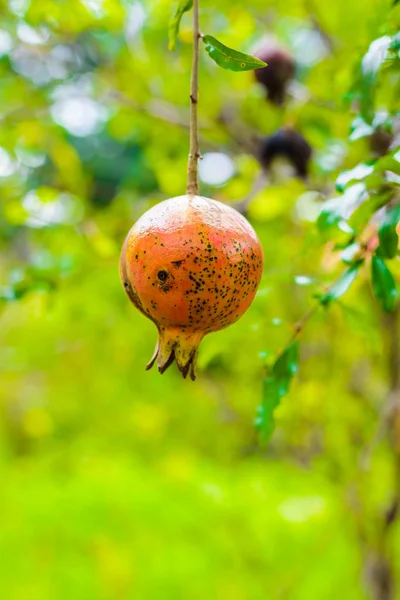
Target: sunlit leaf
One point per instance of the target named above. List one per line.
(375, 56)
(175, 22)
(383, 284)
(395, 43)
(364, 88)
(335, 211)
(388, 162)
(364, 212)
(331, 213)
(342, 285)
(7, 294)
(230, 59)
(349, 252)
(360, 129)
(359, 172)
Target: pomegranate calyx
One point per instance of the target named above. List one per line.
(177, 344)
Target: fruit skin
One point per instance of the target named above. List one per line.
(289, 144)
(192, 265)
(275, 77)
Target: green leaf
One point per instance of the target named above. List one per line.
(389, 162)
(349, 253)
(392, 217)
(370, 67)
(174, 24)
(342, 285)
(264, 421)
(364, 212)
(383, 284)
(356, 174)
(331, 214)
(335, 210)
(375, 57)
(395, 44)
(287, 363)
(276, 385)
(388, 238)
(8, 294)
(229, 59)
(359, 129)
(388, 242)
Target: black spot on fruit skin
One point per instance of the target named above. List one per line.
(177, 263)
(162, 275)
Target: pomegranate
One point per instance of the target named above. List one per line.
(276, 76)
(192, 265)
(288, 144)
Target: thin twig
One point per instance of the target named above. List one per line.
(299, 326)
(311, 8)
(301, 323)
(170, 114)
(194, 155)
(244, 136)
(157, 109)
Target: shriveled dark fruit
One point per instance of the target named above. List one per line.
(192, 265)
(289, 144)
(380, 142)
(275, 77)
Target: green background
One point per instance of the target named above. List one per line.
(118, 483)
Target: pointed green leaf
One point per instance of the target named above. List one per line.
(360, 129)
(349, 252)
(335, 210)
(366, 210)
(375, 57)
(388, 242)
(359, 172)
(174, 24)
(388, 238)
(229, 59)
(342, 285)
(264, 418)
(383, 284)
(395, 44)
(287, 363)
(276, 385)
(331, 214)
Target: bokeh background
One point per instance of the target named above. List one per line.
(118, 483)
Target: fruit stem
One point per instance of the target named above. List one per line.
(193, 177)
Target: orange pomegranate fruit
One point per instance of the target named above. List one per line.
(192, 265)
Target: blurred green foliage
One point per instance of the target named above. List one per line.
(119, 483)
